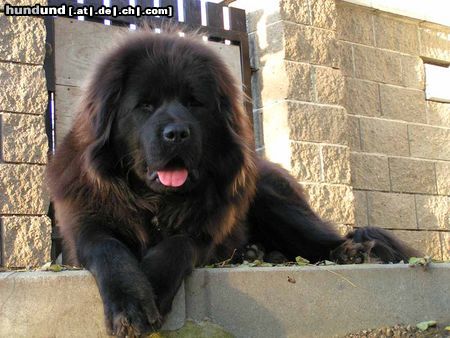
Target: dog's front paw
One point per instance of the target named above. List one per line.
(130, 316)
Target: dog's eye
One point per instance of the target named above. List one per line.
(148, 107)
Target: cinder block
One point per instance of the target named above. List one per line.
(354, 24)
(346, 58)
(22, 190)
(26, 240)
(435, 44)
(329, 85)
(427, 242)
(323, 13)
(396, 34)
(390, 210)
(305, 161)
(362, 97)
(433, 212)
(443, 178)
(336, 164)
(429, 142)
(23, 39)
(24, 138)
(402, 104)
(354, 133)
(369, 172)
(438, 114)
(408, 175)
(361, 217)
(413, 72)
(383, 136)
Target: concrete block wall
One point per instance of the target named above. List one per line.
(399, 141)
(298, 92)
(25, 230)
(339, 96)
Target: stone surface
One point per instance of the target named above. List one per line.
(362, 97)
(445, 242)
(429, 142)
(323, 13)
(435, 44)
(23, 39)
(316, 123)
(415, 176)
(332, 202)
(427, 242)
(443, 177)
(318, 304)
(309, 44)
(396, 34)
(329, 85)
(346, 58)
(305, 161)
(61, 304)
(295, 11)
(433, 212)
(438, 113)
(22, 2)
(369, 172)
(24, 138)
(377, 65)
(413, 74)
(23, 88)
(361, 217)
(402, 104)
(22, 189)
(336, 164)
(385, 137)
(26, 240)
(389, 210)
(354, 133)
(299, 82)
(354, 24)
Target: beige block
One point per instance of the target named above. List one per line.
(26, 240)
(336, 164)
(369, 171)
(323, 13)
(362, 97)
(395, 34)
(361, 217)
(402, 104)
(389, 210)
(408, 175)
(377, 65)
(438, 113)
(443, 178)
(312, 45)
(413, 72)
(23, 39)
(354, 133)
(305, 161)
(433, 212)
(329, 85)
(383, 136)
(435, 44)
(22, 190)
(295, 11)
(299, 81)
(24, 138)
(22, 3)
(332, 202)
(23, 88)
(315, 123)
(354, 24)
(427, 242)
(429, 142)
(445, 242)
(346, 58)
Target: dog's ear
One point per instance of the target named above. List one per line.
(102, 104)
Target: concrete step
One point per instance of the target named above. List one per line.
(247, 302)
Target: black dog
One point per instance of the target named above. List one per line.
(158, 175)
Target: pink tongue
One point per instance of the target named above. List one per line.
(173, 178)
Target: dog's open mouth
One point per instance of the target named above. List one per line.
(173, 175)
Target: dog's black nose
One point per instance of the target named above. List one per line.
(176, 133)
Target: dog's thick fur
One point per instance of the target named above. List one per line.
(160, 104)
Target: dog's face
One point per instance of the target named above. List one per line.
(170, 119)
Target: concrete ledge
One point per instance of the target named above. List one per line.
(248, 302)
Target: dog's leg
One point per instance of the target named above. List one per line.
(166, 265)
(128, 299)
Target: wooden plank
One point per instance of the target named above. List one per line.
(214, 15)
(174, 4)
(77, 46)
(66, 103)
(231, 55)
(192, 13)
(237, 19)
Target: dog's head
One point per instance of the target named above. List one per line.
(165, 110)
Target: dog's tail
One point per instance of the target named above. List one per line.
(378, 245)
